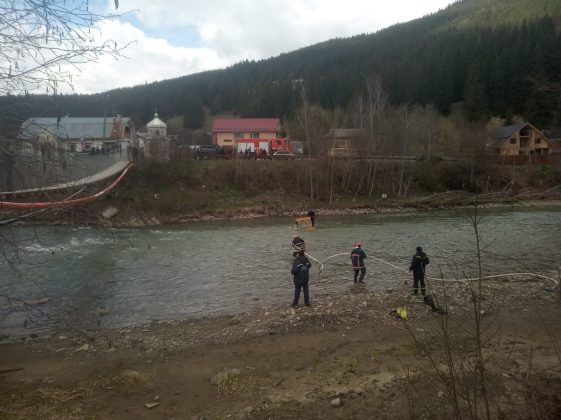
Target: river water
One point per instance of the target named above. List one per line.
(121, 277)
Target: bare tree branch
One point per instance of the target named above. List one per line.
(43, 42)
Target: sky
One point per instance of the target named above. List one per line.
(175, 38)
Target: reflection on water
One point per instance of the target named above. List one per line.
(207, 269)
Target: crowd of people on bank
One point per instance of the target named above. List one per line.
(96, 150)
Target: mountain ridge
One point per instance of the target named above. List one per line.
(439, 59)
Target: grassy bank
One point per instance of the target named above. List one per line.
(176, 189)
(185, 190)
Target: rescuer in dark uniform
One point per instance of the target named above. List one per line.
(357, 258)
(301, 272)
(312, 216)
(298, 244)
(418, 264)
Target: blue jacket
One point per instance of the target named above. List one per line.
(301, 269)
(419, 262)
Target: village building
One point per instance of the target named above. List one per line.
(154, 143)
(554, 136)
(226, 131)
(344, 142)
(49, 151)
(75, 134)
(522, 142)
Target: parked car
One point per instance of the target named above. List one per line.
(206, 151)
(283, 154)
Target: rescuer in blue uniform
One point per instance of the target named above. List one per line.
(301, 272)
(417, 266)
(357, 258)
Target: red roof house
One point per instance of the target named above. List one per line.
(225, 131)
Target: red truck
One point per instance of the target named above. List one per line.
(262, 146)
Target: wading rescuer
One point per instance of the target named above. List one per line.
(301, 272)
(418, 264)
(298, 244)
(357, 258)
(312, 216)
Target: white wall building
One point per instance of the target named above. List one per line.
(156, 141)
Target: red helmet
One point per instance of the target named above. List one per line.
(358, 244)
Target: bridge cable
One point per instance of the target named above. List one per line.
(34, 213)
(65, 203)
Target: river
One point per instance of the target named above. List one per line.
(122, 277)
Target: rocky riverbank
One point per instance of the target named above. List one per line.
(346, 356)
(123, 217)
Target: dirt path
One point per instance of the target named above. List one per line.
(345, 357)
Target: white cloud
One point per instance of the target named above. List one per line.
(231, 31)
(145, 60)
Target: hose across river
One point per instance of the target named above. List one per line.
(463, 280)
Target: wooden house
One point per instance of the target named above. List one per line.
(344, 142)
(554, 136)
(523, 141)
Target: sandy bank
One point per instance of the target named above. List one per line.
(346, 357)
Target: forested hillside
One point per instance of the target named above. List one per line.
(498, 57)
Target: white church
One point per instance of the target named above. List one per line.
(154, 144)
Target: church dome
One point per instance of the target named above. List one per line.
(156, 123)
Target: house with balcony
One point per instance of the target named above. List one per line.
(520, 142)
(225, 131)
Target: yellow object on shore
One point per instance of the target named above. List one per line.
(402, 312)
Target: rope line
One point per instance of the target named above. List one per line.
(297, 248)
(474, 278)
(542, 276)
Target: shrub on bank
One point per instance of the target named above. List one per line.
(224, 185)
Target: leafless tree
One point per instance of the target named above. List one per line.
(303, 119)
(42, 42)
(462, 372)
(472, 145)
(376, 100)
(406, 129)
(312, 125)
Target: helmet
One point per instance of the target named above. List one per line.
(358, 244)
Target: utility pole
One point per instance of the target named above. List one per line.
(306, 127)
(106, 97)
(7, 158)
